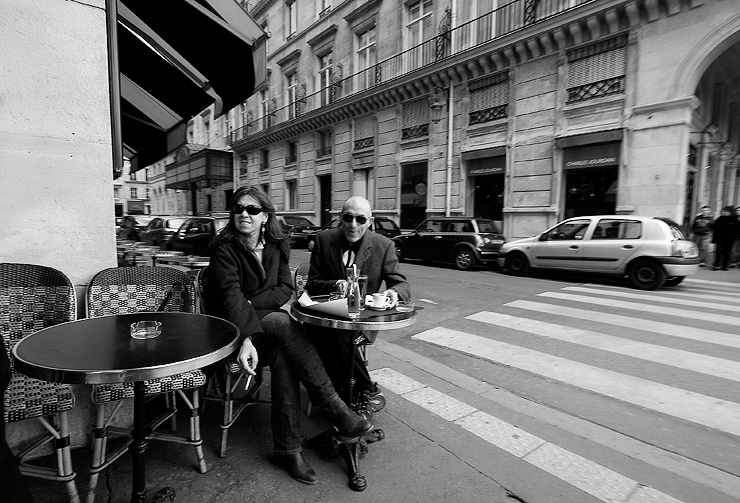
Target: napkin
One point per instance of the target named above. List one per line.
(334, 307)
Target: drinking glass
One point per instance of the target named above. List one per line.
(362, 280)
(405, 306)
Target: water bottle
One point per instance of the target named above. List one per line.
(353, 293)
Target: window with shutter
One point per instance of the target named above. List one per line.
(489, 99)
(415, 122)
(597, 69)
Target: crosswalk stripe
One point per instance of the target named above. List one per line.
(588, 476)
(712, 412)
(709, 365)
(698, 293)
(670, 311)
(658, 327)
(688, 469)
(656, 298)
(711, 282)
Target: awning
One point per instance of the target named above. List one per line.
(170, 61)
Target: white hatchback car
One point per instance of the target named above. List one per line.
(651, 252)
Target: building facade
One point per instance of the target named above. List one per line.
(525, 111)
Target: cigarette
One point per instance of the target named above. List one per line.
(249, 380)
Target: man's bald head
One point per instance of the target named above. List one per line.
(354, 208)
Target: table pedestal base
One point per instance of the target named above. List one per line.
(350, 452)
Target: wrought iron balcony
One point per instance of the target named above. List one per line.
(509, 18)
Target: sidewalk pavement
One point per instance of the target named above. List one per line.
(407, 466)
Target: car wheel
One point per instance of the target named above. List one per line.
(400, 253)
(464, 259)
(647, 275)
(673, 281)
(517, 264)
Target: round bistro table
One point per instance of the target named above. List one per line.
(102, 351)
(369, 319)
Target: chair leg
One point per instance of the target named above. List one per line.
(102, 459)
(195, 431)
(65, 456)
(228, 419)
(171, 404)
(59, 435)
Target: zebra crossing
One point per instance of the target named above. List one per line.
(686, 334)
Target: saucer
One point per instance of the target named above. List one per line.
(383, 307)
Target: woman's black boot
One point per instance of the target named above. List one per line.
(350, 426)
(298, 467)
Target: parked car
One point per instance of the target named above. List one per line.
(651, 252)
(195, 234)
(299, 229)
(381, 225)
(463, 241)
(161, 229)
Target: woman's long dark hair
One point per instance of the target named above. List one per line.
(272, 231)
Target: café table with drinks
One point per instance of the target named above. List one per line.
(352, 309)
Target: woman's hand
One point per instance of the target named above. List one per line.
(248, 356)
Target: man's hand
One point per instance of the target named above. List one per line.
(248, 356)
(392, 295)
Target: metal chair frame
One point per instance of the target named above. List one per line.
(33, 297)
(121, 290)
(226, 379)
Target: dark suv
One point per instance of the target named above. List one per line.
(463, 241)
(381, 225)
(195, 234)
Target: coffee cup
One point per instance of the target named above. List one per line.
(379, 299)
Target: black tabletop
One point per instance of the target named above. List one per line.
(101, 350)
(368, 320)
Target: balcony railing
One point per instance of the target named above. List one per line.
(323, 152)
(508, 18)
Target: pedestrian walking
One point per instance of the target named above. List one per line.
(702, 231)
(735, 260)
(724, 230)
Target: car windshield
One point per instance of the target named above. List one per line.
(175, 223)
(488, 226)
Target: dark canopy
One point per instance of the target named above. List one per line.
(174, 58)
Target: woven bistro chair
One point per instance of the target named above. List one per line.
(33, 297)
(300, 277)
(225, 379)
(124, 290)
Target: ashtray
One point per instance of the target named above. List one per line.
(146, 329)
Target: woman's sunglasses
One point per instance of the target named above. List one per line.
(251, 209)
(348, 218)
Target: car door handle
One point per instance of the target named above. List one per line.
(573, 247)
(627, 247)
(437, 237)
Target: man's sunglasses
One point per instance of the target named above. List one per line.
(348, 218)
(251, 209)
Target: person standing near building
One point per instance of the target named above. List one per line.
(724, 230)
(735, 260)
(702, 231)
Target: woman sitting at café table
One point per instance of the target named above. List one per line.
(248, 281)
